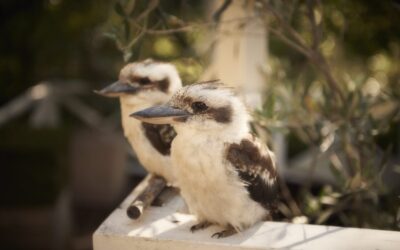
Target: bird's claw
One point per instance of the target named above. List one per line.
(217, 235)
(201, 225)
(224, 233)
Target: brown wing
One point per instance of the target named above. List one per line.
(160, 136)
(256, 168)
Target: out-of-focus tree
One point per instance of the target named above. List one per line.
(323, 92)
(157, 29)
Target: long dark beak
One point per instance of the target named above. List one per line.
(117, 88)
(161, 115)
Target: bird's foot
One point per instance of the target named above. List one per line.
(201, 225)
(224, 233)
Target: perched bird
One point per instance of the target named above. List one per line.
(142, 85)
(226, 175)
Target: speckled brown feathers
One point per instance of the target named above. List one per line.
(257, 170)
(160, 136)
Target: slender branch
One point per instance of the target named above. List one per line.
(150, 7)
(291, 202)
(289, 42)
(218, 13)
(298, 43)
(292, 32)
(321, 63)
(315, 29)
(153, 185)
(142, 31)
(190, 27)
(320, 60)
(293, 5)
(187, 28)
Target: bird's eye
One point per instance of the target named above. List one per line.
(144, 81)
(199, 107)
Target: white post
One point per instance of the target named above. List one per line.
(240, 52)
(239, 55)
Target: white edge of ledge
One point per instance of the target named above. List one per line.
(162, 228)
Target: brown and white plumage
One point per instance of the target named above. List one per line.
(225, 174)
(142, 85)
(256, 167)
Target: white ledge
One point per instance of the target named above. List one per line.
(164, 228)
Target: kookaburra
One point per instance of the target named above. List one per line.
(142, 85)
(226, 175)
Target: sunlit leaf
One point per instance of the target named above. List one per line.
(110, 35)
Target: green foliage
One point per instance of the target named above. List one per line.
(345, 129)
(147, 29)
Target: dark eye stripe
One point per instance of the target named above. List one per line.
(199, 107)
(144, 81)
(140, 80)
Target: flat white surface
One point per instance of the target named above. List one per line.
(164, 228)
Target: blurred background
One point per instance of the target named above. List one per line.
(322, 78)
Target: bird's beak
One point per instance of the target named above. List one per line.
(118, 88)
(161, 115)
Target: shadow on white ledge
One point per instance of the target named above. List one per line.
(164, 228)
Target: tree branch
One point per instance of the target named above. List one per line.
(289, 42)
(190, 27)
(292, 32)
(315, 27)
(218, 13)
(150, 7)
(298, 43)
(153, 185)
